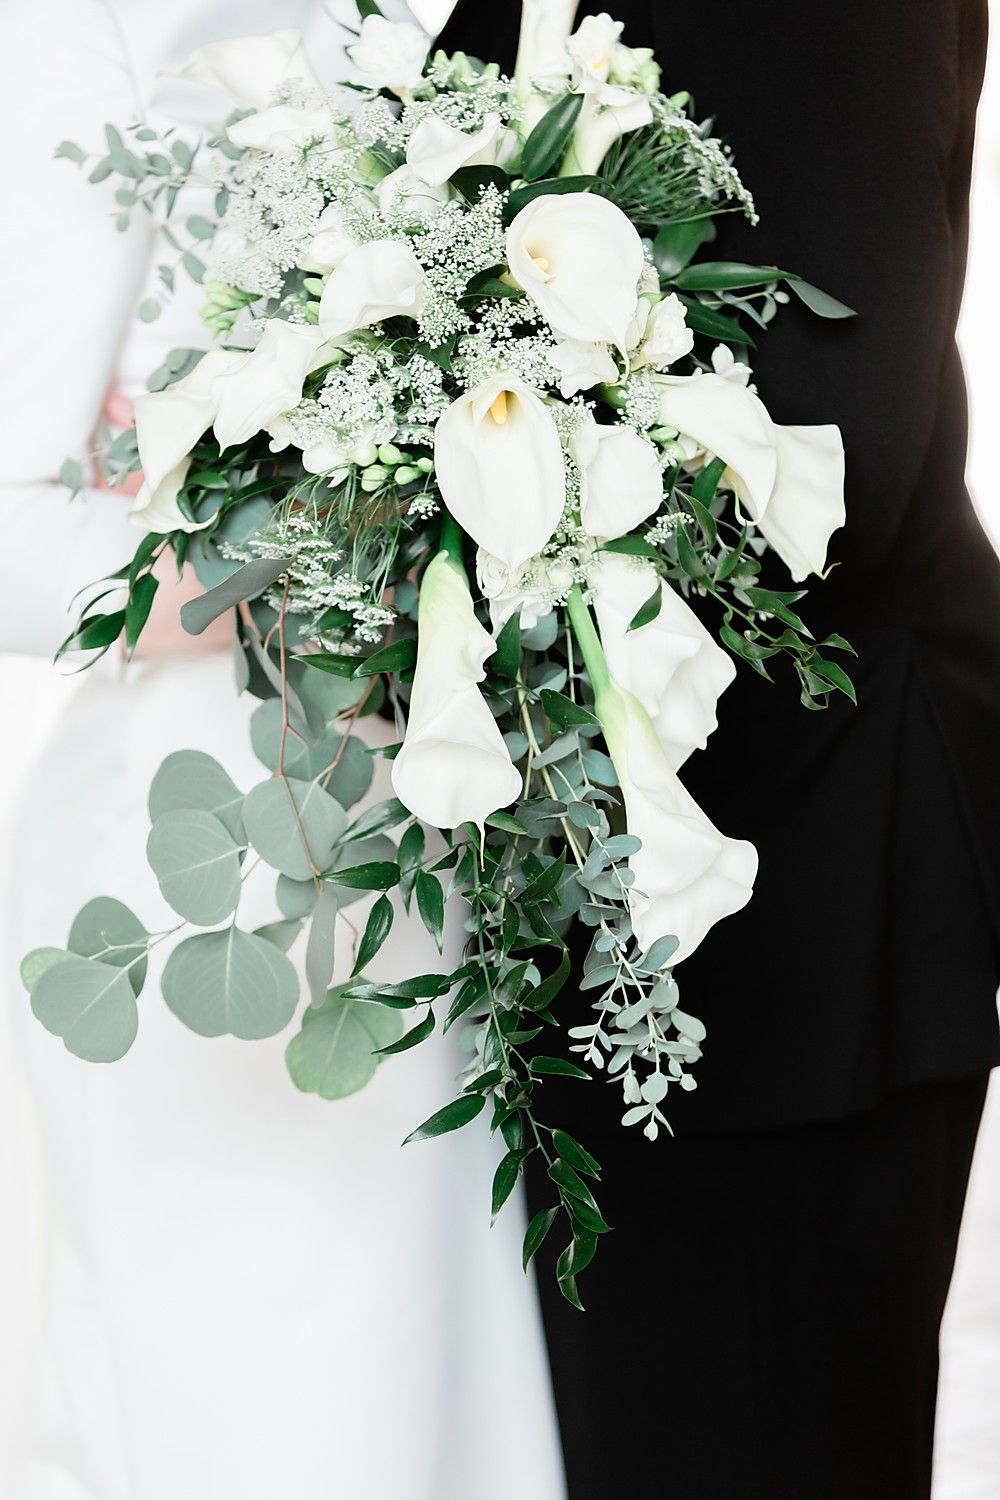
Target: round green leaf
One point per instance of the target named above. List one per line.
(295, 898)
(35, 963)
(352, 775)
(230, 982)
(191, 779)
(107, 930)
(333, 1054)
(197, 864)
(276, 827)
(305, 756)
(90, 1005)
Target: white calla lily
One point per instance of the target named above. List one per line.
(390, 54)
(168, 423)
(250, 68)
(542, 59)
(581, 366)
(266, 382)
(377, 280)
(500, 467)
(672, 665)
(453, 767)
(621, 482)
(609, 112)
(790, 480)
(688, 875)
(437, 149)
(405, 195)
(579, 259)
(281, 128)
(807, 503)
(330, 242)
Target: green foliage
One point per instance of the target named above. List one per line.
(334, 1054)
(90, 1005)
(230, 982)
(293, 825)
(196, 862)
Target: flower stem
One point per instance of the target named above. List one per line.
(451, 540)
(588, 640)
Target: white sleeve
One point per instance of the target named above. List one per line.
(70, 283)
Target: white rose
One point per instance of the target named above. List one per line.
(579, 259)
(666, 337)
(532, 588)
(725, 363)
(608, 113)
(672, 665)
(267, 381)
(542, 60)
(687, 874)
(436, 150)
(282, 128)
(330, 242)
(168, 423)
(621, 483)
(790, 480)
(581, 366)
(378, 280)
(590, 49)
(404, 194)
(500, 468)
(453, 767)
(390, 54)
(250, 68)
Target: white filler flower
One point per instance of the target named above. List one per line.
(500, 467)
(579, 259)
(453, 767)
(250, 68)
(672, 665)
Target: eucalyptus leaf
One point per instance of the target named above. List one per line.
(191, 779)
(290, 822)
(321, 947)
(90, 1005)
(230, 982)
(107, 930)
(35, 963)
(334, 1053)
(196, 862)
(246, 583)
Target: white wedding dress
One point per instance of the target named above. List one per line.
(245, 1293)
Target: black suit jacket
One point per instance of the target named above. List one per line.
(870, 955)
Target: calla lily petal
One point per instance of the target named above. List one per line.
(621, 483)
(250, 68)
(807, 503)
(380, 279)
(453, 767)
(672, 665)
(437, 150)
(266, 382)
(500, 468)
(731, 422)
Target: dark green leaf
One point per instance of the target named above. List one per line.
(506, 659)
(470, 181)
(329, 661)
(724, 276)
(454, 1115)
(505, 1178)
(536, 1232)
(411, 1038)
(714, 324)
(430, 904)
(397, 657)
(571, 1151)
(831, 672)
(378, 875)
(522, 196)
(546, 882)
(562, 711)
(817, 301)
(648, 610)
(631, 546)
(246, 583)
(558, 1066)
(140, 602)
(550, 137)
(675, 245)
(376, 931)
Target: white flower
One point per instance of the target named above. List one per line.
(282, 128)
(590, 49)
(636, 66)
(437, 150)
(725, 363)
(807, 503)
(404, 193)
(267, 381)
(609, 112)
(500, 468)
(453, 767)
(579, 259)
(672, 665)
(582, 366)
(542, 59)
(666, 337)
(329, 244)
(687, 874)
(380, 279)
(621, 482)
(250, 68)
(790, 480)
(390, 54)
(168, 423)
(531, 588)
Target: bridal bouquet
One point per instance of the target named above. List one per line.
(476, 450)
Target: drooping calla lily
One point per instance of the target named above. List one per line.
(250, 68)
(672, 665)
(453, 767)
(579, 259)
(437, 149)
(608, 113)
(376, 280)
(390, 54)
(687, 875)
(168, 423)
(282, 128)
(790, 480)
(620, 478)
(807, 503)
(500, 467)
(542, 59)
(265, 382)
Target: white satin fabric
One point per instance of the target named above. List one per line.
(244, 1291)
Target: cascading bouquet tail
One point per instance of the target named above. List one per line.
(477, 429)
